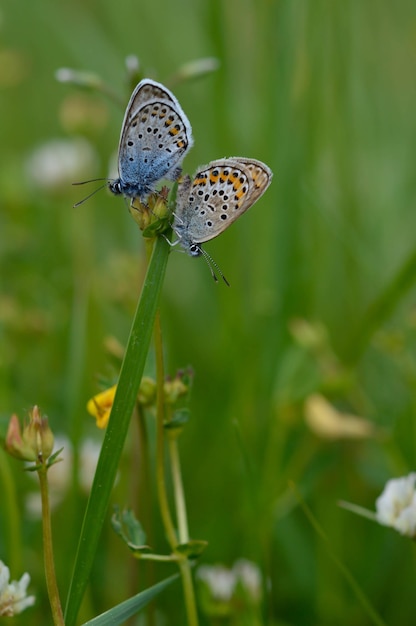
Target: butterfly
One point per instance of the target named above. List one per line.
(217, 196)
(155, 137)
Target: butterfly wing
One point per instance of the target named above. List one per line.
(219, 193)
(259, 175)
(155, 136)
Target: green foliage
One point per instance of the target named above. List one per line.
(130, 530)
(322, 298)
(124, 402)
(120, 613)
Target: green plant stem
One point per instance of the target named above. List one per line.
(140, 498)
(52, 586)
(184, 564)
(161, 558)
(126, 395)
(178, 490)
(12, 516)
(188, 592)
(160, 439)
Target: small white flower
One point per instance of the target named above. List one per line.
(396, 506)
(250, 577)
(220, 580)
(13, 598)
(60, 162)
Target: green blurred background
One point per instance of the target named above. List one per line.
(321, 272)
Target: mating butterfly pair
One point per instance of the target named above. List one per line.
(155, 137)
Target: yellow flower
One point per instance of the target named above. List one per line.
(100, 406)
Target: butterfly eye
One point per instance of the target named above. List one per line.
(195, 250)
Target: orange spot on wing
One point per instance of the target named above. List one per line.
(236, 184)
(200, 181)
(230, 179)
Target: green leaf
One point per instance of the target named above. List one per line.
(128, 385)
(156, 228)
(121, 612)
(193, 549)
(129, 529)
(179, 419)
(54, 457)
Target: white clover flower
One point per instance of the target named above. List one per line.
(60, 162)
(13, 598)
(250, 577)
(220, 580)
(396, 506)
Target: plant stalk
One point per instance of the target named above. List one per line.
(178, 489)
(160, 438)
(188, 592)
(184, 564)
(50, 574)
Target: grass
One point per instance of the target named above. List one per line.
(324, 93)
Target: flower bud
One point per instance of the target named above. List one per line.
(140, 213)
(160, 208)
(152, 218)
(195, 69)
(35, 443)
(38, 434)
(175, 389)
(14, 442)
(147, 391)
(76, 77)
(132, 63)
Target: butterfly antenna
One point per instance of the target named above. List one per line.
(211, 264)
(93, 180)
